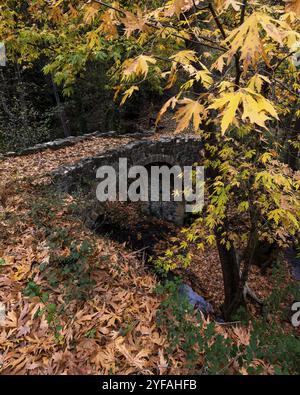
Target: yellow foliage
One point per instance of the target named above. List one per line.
(225, 4)
(109, 25)
(185, 57)
(191, 110)
(256, 82)
(253, 107)
(90, 12)
(170, 103)
(128, 93)
(137, 67)
(134, 22)
(178, 6)
(248, 40)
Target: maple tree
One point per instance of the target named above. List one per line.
(232, 66)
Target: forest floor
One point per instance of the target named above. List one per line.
(76, 302)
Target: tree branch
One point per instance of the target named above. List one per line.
(282, 60)
(217, 20)
(243, 11)
(111, 7)
(236, 57)
(171, 34)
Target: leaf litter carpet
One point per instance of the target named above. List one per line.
(72, 302)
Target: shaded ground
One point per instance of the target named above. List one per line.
(294, 260)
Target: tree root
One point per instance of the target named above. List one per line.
(251, 294)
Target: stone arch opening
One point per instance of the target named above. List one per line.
(163, 182)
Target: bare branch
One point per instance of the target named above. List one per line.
(217, 20)
(243, 11)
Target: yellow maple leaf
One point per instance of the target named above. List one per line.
(170, 103)
(205, 77)
(256, 82)
(137, 67)
(219, 63)
(128, 93)
(252, 112)
(262, 104)
(178, 6)
(247, 39)
(172, 76)
(230, 111)
(230, 101)
(254, 107)
(266, 157)
(90, 12)
(225, 4)
(134, 22)
(185, 57)
(191, 110)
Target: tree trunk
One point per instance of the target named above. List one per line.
(293, 152)
(233, 289)
(233, 292)
(24, 105)
(61, 112)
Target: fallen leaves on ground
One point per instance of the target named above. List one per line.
(109, 326)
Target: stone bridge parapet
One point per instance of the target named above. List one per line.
(170, 151)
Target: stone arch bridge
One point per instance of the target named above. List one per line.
(164, 151)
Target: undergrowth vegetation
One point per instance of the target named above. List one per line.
(250, 345)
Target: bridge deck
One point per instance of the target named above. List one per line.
(38, 166)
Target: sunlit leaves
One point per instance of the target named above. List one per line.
(134, 22)
(205, 77)
(128, 93)
(220, 63)
(256, 82)
(91, 11)
(230, 103)
(171, 103)
(185, 57)
(247, 39)
(257, 108)
(137, 67)
(190, 111)
(172, 76)
(266, 157)
(253, 107)
(178, 6)
(235, 4)
(223, 5)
